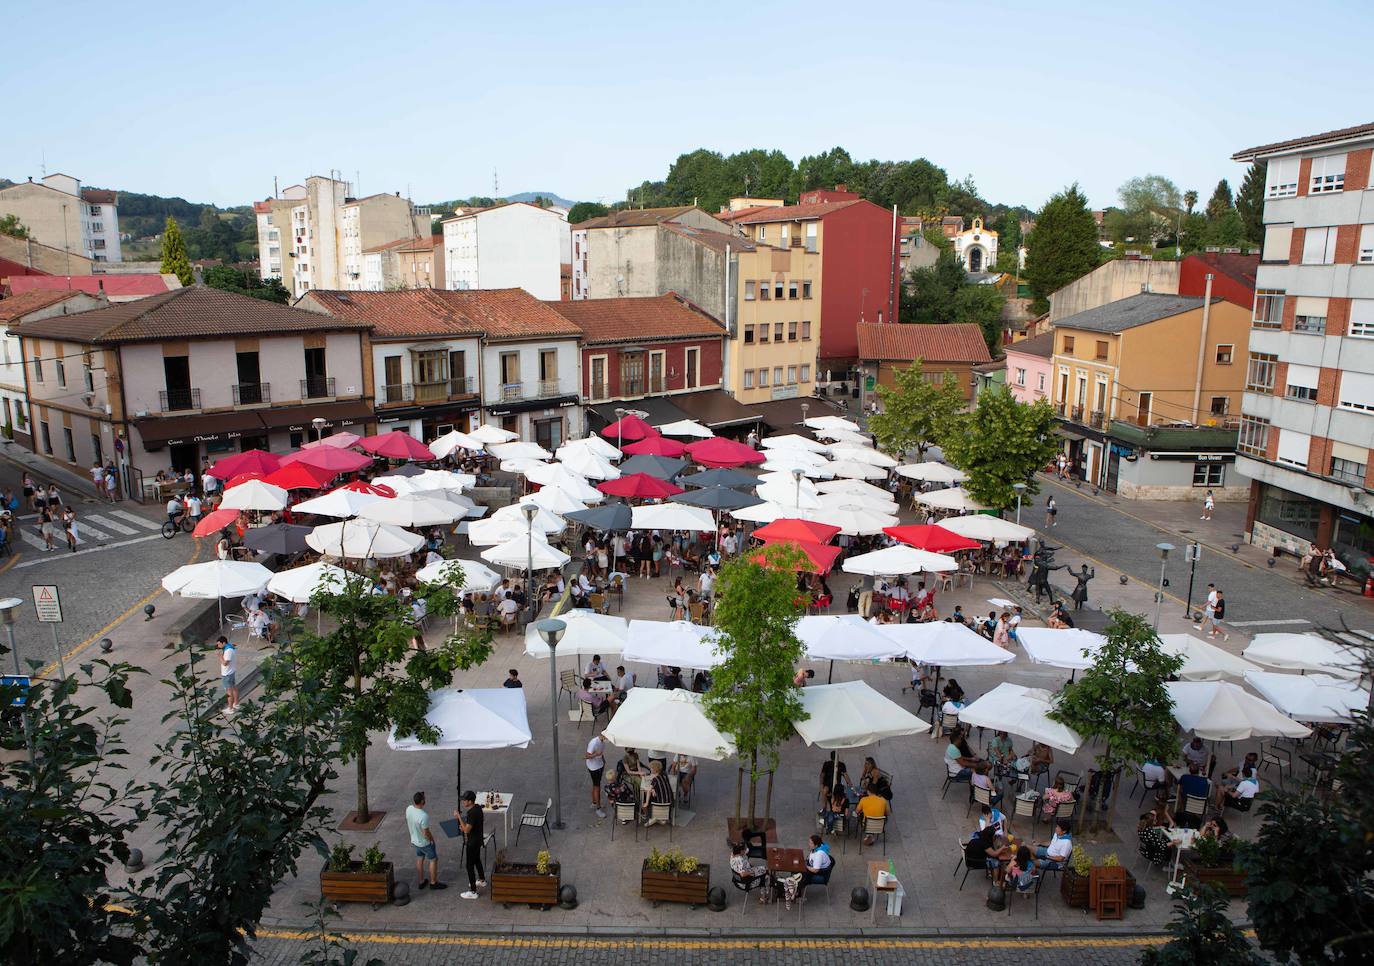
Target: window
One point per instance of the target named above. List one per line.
(763, 232)
(1289, 512)
(1041, 387)
(1101, 349)
(61, 371)
(1302, 382)
(1224, 353)
(1294, 447)
(748, 378)
(784, 235)
(791, 332)
(37, 369)
(1220, 404)
(548, 365)
(69, 444)
(93, 211)
(811, 236)
(750, 286)
(458, 371)
(791, 290)
(1361, 319)
(791, 375)
(806, 330)
(1020, 377)
(765, 290)
(1259, 377)
(1068, 343)
(1310, 315)
(777, 291)
(1357, 391)
(1328, 174)
(1319, 246)
(806, 288)
(1365, 256)
(764, 329)
(805, 373)
(87, 375)
(1348, 471)
(1278, 243)
(692, 373)
(763, 378)
(777, 331)
(47, 438)
(1268, 309)
(777, 375)
(1254, 435)
(748, 335)
(1281, 178)
(510, 369)
(632, 374)
(430, 366)
(1208, 474)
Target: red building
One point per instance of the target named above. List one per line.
(1233, 276)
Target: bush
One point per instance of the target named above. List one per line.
(341, 857)
(373, 859)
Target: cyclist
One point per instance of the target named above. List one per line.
(193, 506)
(175, 508)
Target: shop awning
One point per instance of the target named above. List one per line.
(159, 431)
(337, 415)
(529, 405)
(1067, 433)
(716, 408)
(784, 415)
(661, 410)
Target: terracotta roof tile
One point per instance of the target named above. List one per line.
(394, 315)
(793, 212)
(634, 319)
(115, 286)
(507, 313)
(1310, 141)
(99, 196)
(950, 342)
(634, 217)
(17, 306)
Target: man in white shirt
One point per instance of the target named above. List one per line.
(707, 582)
(507, 611)
(727, 543)
(417, 824)
(596, 767)
(193, 506)
(1056, 854)
(228, 678)
(175, 508)
(595, 669)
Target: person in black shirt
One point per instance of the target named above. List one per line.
(513, 680)
(471, 821)
(672, 681)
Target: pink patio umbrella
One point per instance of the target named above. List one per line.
(249, 461)
(396, 445)
(339, 440)
(331, 458)
(721, 452)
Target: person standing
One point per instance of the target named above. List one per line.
(228, 677)
(209, 484)
(1218, 615)
(596, 767)
(1051, 511)
(111, 483)
(69, 527)
(1209, 504)
(98, 477)
(471, 821)
(30, 492)
(417, 823)
(1209, 609)
(45, 526)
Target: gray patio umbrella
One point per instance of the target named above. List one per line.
(662, 467)
(716, 498)
(612, 516)
(409, 469)
(279, 538)
(720, 477)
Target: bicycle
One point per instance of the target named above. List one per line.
(183, 522)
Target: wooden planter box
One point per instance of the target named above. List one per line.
(1073, 888)
(675, 886)
(513, 883)
(1228, 877)
(358, 886)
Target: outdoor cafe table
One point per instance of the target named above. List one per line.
(785, 860)
(893, 889)
(1180, 839)
(501, 811)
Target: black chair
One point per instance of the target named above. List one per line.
(820, 880)
(951, 780)
(756, 843)
(1013, 892)
(747, 886)
(968, 865)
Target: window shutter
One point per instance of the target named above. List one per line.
(1304, 376)
(1357, 390)
(1310, 305)
(1278, 240)
(1293, 447)
(1344, 451)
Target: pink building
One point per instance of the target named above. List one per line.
(1028, 367)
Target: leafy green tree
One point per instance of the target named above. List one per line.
(757, 173)
(1221, 201)
(1202, 933)
(1227, 230)
(1121, 702)
(366, 665)
(174, 260)
(834, 167)
(12, 226)
(915, 410)
(1250, 202)
(999, 443)
(230, 279)
(584, 210)
(1150, 207)
(1189, 201)
(981, 304)
(752, 696)
(1062, 246)
(929, 295)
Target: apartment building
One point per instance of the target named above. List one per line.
(513, 245)
(772, 348)
(60, 213)
(1308, 411)
(1028, 367)
(14, 312)
(947, 352)
(404, 263)
(914, 250)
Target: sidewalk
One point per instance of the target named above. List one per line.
(48, 471)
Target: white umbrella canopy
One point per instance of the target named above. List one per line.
(844, 437)
(1203, 661)
(472, 719)
(801, 495)
(254, 495)
(897, 560)
(831, 422)
(765, 512)
(573, 484)
(451, 442)
(361, 539)
(670, 721)
(1310, 697)
(588, 633)
(413, 511)
(785, 460)
(475, 576)
(953, 498)
(794, 441)
(544, 521)
(863, 454)
(521, 466)
(555, 500)
(495, 530)
(402, 485)
(685, 427)
(854, 470)
(519, 450)
(339, 503)
(217, 579)
(1303, 652)
(846, 637)
(469, 508)
(857, 521)
(445, 480)
(851, 715)
(672, 516)
(1022, 711)
(1061, 647)
(674, 643)
(299, 584)
(487, 434)
(594, 443)
(868, 501)
(932, 473)
(1222, 711)
(857, 487)
(518, 552)
(945, 644)
(980, 526)
(584, 462)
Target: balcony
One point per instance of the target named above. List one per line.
(1059, 409)
(423, 392)
(657, 384)
(395, 393)
(600, 390)
(510, 391)
(629, 388)
(177, 400)
(461, 386)
(252, 393)
(1076, 414)
(1097, 419)
(548, 387)
(317, 387)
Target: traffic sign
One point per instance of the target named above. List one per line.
(47, 605)
(21, 683)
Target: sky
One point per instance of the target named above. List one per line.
(586, 99)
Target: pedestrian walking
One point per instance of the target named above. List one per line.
(30, 492)
(45, 527)
(1218, 615)
(228, 676)
(596, 767)
(1208, 505)
(417, 823)
(54, 498)
(69, 527)
(111, 483)
(1209, 611)
(471, 821)
(1051, 511)
(98, 477)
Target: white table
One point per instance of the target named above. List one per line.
(1180, 839)
(502, 811)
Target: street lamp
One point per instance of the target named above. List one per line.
(551, 631)
(806, 408)
(529, 510)
(319, 422)
(619, 430)
(797, 475)
(7, 609)
(1163, 549)
(1020, 488)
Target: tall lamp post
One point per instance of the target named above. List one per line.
(1020, 488)
(319, 422)
(797, 475)
(1163, 549)
(619, 430)
(530, 511)
(551, 630)
(806, 408)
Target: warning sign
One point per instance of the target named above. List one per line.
(47, 605)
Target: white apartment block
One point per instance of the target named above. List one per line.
(1307, 422)
(61, 214)
(516, 245)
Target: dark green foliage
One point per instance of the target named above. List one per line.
(917, 411)
(982, 305)
(1221, 201)
(1062, 246)
(586, 209)
(1250, 202)
(12, 226)
(246, 283)
(1202, 934)
(174, 260)
(929, 295)
(1000, 443)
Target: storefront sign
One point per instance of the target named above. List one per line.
(784, 392)
(1195, 457)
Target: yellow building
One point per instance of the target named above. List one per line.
(772, 354)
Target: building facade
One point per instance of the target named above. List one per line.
(14, 312)
(406, 263)
(1112, 281)
(976, 247)
(1028, 368)
(946, 352)
(60, 213)
(514, 245)
(1308, 412)
(774, 340)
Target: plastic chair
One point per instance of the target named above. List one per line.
(1271, 754)
(749, 885)
(567, 681)
(1027, 894)
(659, 814)
(625, 813)
(1025, 808)
(532, 815)
(1142, 779)
(979, 796)
(875, 826)
(822, 883)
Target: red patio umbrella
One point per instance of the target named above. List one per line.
(396, 445)
(819, 557)
(932, 537)
(656, 446)
(341, 439)
(639, 486)
(628, 429)
(300, 476)
(243, 478)
(362, 486)
(249, 461)
(214, 522)
(721, 452)
(330, 458)
(788, 528)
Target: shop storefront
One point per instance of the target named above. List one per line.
(548, 422)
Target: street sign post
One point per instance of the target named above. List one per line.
(47, 607)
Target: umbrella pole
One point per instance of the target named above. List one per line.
(935, 704)
(830, 675)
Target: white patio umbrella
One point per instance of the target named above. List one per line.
(1303, 652)
(686, 427)
(594, 443)
(794, 441)
(517, 553)
(844, 437)
(831, 422)
(857, 487)
(897, 560)
(339, 503)
(953, 498)
(862, 454)
(932, 472)
(855, 470)
(363, 539)
(844, 637)
(300, 583)
(785, 460)
(402, 485)
(588, 633)
(1061, 647)
(765, 512)
(797, 494)
(452, 441)
(544, 521)
(469, 508)
(1203, 661)
(413, 511)
(446, 480)
(521, 466)
(1221, 711)
(519, 450)
(254, 495)
(496, 530)
(472, 719)
(857, 521)
(555, 500)
(673, 643)
(980, 526)
(830, 501)
(476, 576)
(1022, 711)
(217, 579)
(584, 462)
(672, 516)
(1310, 697)
(573, 484)
(851, 715)
(945, 644)
(669, 721)
(486, 434)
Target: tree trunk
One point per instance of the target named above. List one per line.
(768, 800)
(753, 788)
(364, 813)
(739, 793)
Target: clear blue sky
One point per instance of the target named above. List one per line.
(585, 99)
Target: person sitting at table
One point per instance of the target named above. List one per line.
(672, 681)
(1193, 785)
(553, 588)
(660, 789)
(747, 871)
(958, 760)
(1021, 871)
(952, 692)
(1250, 761)
(899, 598)
(1059, 618)
(1154, 845)
(691, 558)
(685, 768)
(631, 770)
(872, 805)
(1055, 854)
(507, 611)
(926, 610)
(595, 669)
(620, 791)
(624, 680)
(595, 699)
(701, 682)
(834, 777)
(1000, 751)
(981, 848)
(1157, 776)
(991, 815)
(836, 809)
(981, 779)
(1241, 795)
(818, 863)
(1216, 828)
(1054, 797)
(870, 775)
(1041, 757)
(1195, 753)
(988, 626)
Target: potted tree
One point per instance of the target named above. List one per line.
(673, 877)
(1075, 880)
(1213, 862)
(343, 879)
(516, 882)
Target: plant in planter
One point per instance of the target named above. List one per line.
(534, 884)
(1109, 869)
(674, 877)
(1074, 881)
(1212, 861)
(343, 879)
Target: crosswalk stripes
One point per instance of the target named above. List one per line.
(143, 522)
(91, 527)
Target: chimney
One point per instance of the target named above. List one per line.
(100, 284)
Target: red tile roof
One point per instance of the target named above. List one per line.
(115, 286)
(394, 315)
(1310, 141)
(508, 313)
(262, 206)
(793, 212)
(99, 196)
(635, 319)
(17, 306)
(634, 217)
(950, 342)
